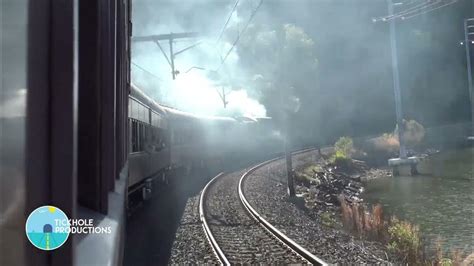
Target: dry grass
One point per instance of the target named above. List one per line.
(402, 238)
(453, 257)
(387, 142)
(357, 218)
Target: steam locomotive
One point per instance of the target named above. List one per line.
(163, 139)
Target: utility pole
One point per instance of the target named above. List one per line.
(222, 95)
(224, 101)
(287, 109)
(289, 161)
(170, 37)
(399, 164)
(396, 82)
(173, 72)
(468, 42)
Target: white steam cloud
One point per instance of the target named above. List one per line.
(198, 87)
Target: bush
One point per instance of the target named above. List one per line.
(442, 259)
(327, 219)
(343, 150)
(388, 142)
(414, 132)
(307, 175)
(404, 240)
(344, 147)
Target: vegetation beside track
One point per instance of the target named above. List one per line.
(321, 181)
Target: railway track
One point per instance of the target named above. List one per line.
(237, 233)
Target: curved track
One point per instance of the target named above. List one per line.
(237, 233)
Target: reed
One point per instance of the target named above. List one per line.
(357, 218)
(402, 238)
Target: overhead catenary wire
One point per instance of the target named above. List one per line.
(414, 8)
(146, 71)
(400, 14)
(227, 21)
(240, 34)
(430, 10)
(166, 92)
(419, 9)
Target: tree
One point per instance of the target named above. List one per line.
(282, 63)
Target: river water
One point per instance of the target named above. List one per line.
(441, 203)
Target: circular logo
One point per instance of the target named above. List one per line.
(47, 228)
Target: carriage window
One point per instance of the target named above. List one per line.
(146, 114)
(140, 112)
(139, 136)
(144, 137)
(141, 132)
(135, 109)
(134, 136)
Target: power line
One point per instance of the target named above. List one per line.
(418, 9)
(240, 34)
(430, 10)
(429, 4)
(146, 71)
(227, 22)
(413, 9)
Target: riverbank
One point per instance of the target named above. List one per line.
(321, 183)
(440, 201)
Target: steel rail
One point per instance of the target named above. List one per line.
(202, 216)
(264, 223)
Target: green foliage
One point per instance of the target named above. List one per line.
(404, 240)
(327, 219)
(387, 135)
(446, 262)
(312, 169)
(267, 52)
(343, 149)
(307, 175)
(340, 159)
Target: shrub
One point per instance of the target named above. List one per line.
(414, 132)
(387, 145)
(440, 259)
(343, 149)
(327, 220)
(307, 175)
(404, 240)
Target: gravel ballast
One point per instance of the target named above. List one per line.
(241, 238)
(266, 191)
(190, 245)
